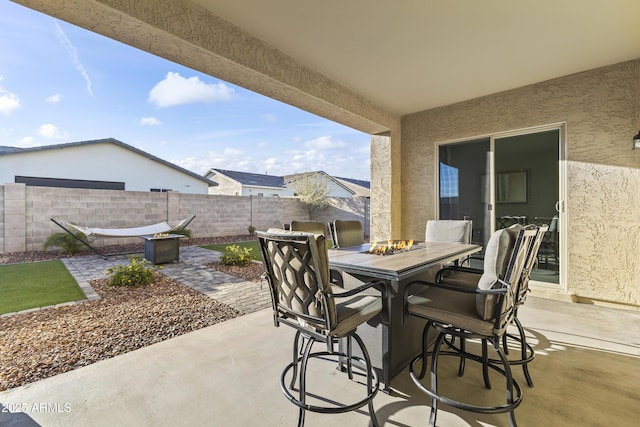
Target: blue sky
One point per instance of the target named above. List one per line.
(60, 83)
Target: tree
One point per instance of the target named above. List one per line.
(313, 190)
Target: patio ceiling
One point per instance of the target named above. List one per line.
(409, 56)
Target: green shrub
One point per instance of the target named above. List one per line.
(65, 242)
(183, 232)
(235, 255)
(139, 272)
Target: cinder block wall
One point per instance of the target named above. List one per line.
(26, 212)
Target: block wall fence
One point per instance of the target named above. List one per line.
(26, 212)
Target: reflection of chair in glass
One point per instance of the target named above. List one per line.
(449, 231)
(297, 270)
(509, 220)
(469, 278)
(346, 233)
(548, 253)
(483, 313)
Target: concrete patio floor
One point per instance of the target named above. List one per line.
(586, 373)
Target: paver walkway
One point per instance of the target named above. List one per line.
(191, 271)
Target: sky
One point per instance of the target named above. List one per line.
(60, 83)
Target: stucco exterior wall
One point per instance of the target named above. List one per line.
(99, 162)
(601, 110)
(226, 186)
(25, 212)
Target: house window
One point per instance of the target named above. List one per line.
(160, 190)
(35, 181)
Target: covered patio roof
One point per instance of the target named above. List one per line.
(374, 59)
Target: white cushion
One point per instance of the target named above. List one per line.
(495, 255)
(450, 231)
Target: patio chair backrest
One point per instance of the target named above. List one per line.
(448, 230)
(347, 233)
(530, 261)
(297, 270)
(504, 260)
(309, 227)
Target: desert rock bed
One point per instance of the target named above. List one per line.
(41, 344)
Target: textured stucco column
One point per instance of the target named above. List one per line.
(15, 211)
(386, 189)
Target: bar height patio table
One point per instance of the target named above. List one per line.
(390, 343)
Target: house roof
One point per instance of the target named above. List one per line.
(358, 182)
(254, 179)
(6, 149)
(16, 150)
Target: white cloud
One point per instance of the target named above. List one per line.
(232, 152)
(324, 143)
(229, 158)
(8, 101)
(270, 117)
(26, 142)
(73, 53)
(150, 121)
(54, 99)
(177, 90)
(51, 131)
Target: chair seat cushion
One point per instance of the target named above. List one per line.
(353, 311)
(463, 279)
(449, 307)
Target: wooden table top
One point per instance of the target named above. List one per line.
(357, 260)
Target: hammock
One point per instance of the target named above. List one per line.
(145, 230)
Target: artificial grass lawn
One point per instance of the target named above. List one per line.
(36, 284)
(252, 244)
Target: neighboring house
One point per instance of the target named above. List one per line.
(234, 183)
(336, 188)
(106, 164)
(359, 187)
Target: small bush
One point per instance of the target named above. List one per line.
(139, 272)
(65, 242)
(235, 255)
(251, 230)
(183, 232)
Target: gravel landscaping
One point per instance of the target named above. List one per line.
(40, 344)
(44, 343)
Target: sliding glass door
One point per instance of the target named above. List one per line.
(527, 182)
(502, 180)
(465, 169)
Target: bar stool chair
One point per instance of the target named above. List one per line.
(302, 297)
(469, 278)
(482, 313)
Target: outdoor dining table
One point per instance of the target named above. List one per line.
(391, 344)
